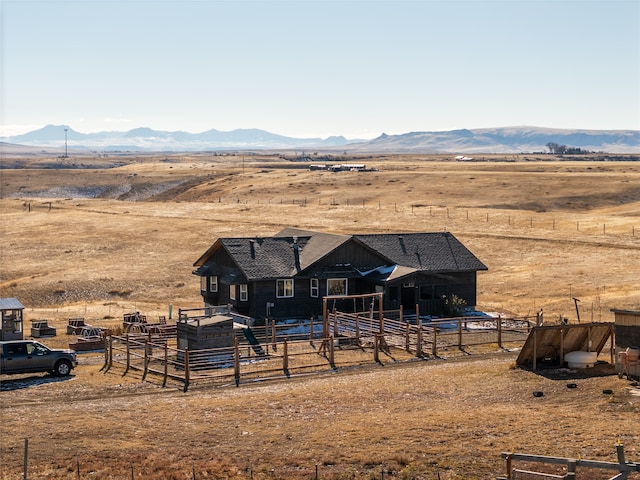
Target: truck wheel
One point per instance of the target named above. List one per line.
(63, 368)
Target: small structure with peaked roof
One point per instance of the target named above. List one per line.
(12, 319)
(288, 274)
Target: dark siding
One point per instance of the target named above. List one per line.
(627, 336)
(300, 306)
(428, 291)
(353, 254)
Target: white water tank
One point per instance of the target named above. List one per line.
(581, 359)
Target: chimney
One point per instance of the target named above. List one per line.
(252, 247)
(296, 253)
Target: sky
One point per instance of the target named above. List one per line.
(319, 68)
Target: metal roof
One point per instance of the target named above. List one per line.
(10, 304)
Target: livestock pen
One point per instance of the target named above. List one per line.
(289, 349)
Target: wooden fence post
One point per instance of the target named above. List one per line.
(376, 356)
(358, 328)
(459, 334)
(128, 354)
(166, 364)
(434, 346)
(419, 341)
(236, 361)
(285, 357)
(509, 459)
(187, 373)
(499, 331)
(407, 340)
(106, 354)
(110, 351)
(310, 331)
(332, 353)
(25, 460)
(146, 359)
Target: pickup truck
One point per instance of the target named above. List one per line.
(29, 356)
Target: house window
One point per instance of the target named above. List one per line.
(284, 288)
(337, 286)
(426, 292)
(315, 287)
(232, 292)
(209, 284)
(244, 292)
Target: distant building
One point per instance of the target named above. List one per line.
(342, 167)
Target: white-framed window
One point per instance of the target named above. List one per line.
(315, 287)
(232, 292)
(244, 292)
(337, 286)
(284, 288)
(209, 284)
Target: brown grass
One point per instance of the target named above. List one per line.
(546, 230)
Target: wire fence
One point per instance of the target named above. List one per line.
(503, 217)
(80, 468)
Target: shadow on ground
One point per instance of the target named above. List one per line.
(9, 384)
(555, 372)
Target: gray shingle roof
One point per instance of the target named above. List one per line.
(435, 252)
(269, 257)
(293, 250)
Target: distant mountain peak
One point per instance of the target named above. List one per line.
(515, 139)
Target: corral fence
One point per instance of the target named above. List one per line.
(433, 336)
(290, 349)
(569, 466)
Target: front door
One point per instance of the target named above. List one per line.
(409, 296)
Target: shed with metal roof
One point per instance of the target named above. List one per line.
(11, 310)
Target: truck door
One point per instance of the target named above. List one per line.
(38, 357)
(14, 357)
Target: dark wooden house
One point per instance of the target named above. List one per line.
(12, 319)
(288, 274)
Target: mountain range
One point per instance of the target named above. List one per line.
(483, 140)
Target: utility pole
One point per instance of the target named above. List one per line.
(65, 144)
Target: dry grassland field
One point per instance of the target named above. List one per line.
(97, 237)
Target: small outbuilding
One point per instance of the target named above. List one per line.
(12, 319)
(201, 333)
(627, 334)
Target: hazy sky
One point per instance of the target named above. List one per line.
(319, 68)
